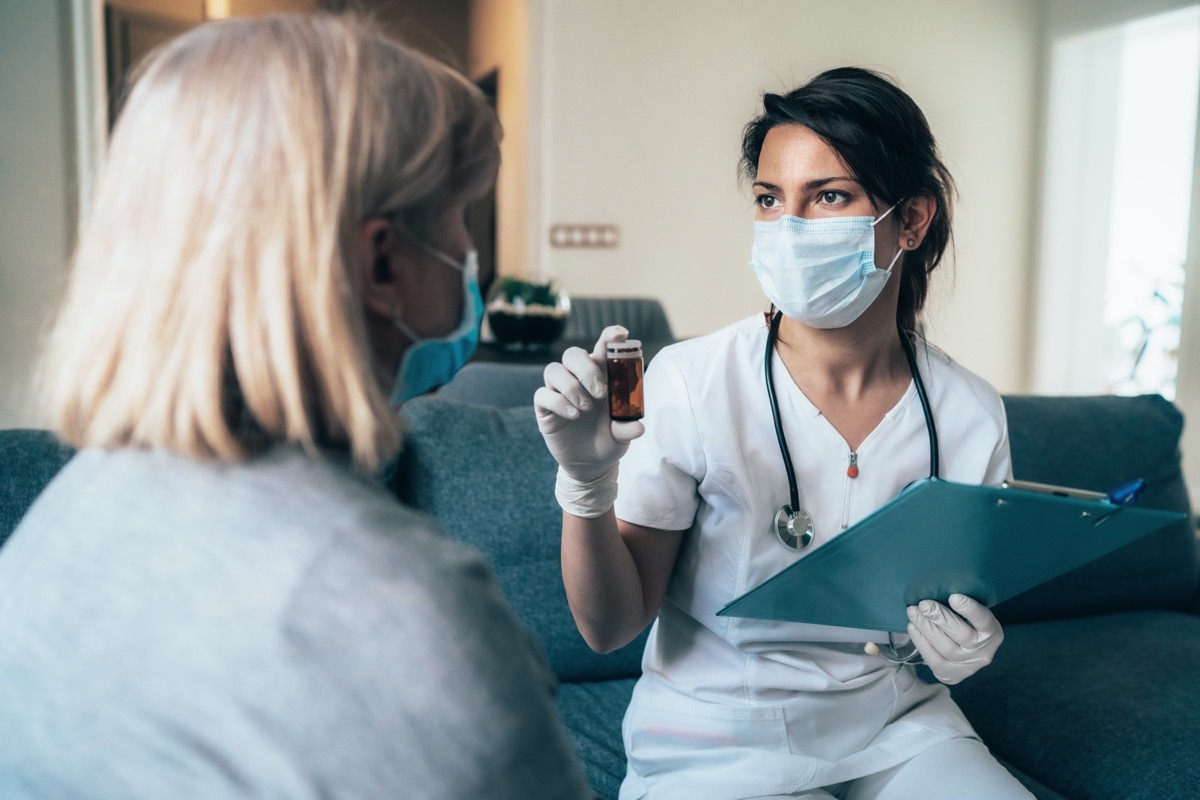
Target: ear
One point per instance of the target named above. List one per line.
(916, 214)
(377, 259)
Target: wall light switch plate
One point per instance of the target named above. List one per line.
(589, 236)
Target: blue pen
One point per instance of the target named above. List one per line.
(1127, 493)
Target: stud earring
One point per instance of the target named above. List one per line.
(911, 242)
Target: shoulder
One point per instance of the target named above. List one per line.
(717, 356)
(412, 631)
(971, 420)
(377, 554)
(319, 516)
(280, 495)
(388, 572)
(953, 382)
(405, 629)
(750, 332)
(968, 408)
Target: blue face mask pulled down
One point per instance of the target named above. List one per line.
(430, 363)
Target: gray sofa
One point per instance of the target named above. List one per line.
(1095, 693)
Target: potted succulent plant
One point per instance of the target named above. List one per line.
(526, 312)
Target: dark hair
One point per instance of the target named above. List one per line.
(884, 138)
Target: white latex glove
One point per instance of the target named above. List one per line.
(955, 642)
(572, 414)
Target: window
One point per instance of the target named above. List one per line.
(1118, 182)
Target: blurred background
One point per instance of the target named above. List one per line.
(1070, 126)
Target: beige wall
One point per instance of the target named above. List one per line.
(629, 113)
(185, 10)
(644, 105)
(436, 27)
(37, 187)
(504, 37)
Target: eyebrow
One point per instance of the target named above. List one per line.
(816, 183)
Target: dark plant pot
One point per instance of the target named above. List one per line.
(526, 329)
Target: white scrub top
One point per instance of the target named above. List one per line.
(729, 707)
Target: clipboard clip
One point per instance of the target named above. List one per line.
(1127, 493)
(1121, 497)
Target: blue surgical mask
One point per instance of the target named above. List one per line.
(820, 271)
(430, 363)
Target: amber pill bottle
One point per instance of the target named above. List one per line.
(626, 400)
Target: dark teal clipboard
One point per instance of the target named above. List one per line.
(937, 538)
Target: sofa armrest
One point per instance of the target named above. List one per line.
(31, 459)
(1194, 606)
(1098, 443)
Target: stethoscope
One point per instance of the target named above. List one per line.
(793, 524)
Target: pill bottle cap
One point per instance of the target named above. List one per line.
(628, 347)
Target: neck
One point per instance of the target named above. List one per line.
(843, 362)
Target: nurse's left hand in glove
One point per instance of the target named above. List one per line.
(572, 414)
(954, 642)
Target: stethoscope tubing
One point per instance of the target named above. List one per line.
(910, 354)
(894, 657)
(768, 359)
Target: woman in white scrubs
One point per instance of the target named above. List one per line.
(852, 214)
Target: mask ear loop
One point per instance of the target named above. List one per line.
(895, 258)
(430, 250)
(424, 246)
(893, 207)
(440, 256)
(899, 250)
(401, 326)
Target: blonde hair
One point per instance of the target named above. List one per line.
(212, 306)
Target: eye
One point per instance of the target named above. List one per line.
(766, 201)
(833, 197)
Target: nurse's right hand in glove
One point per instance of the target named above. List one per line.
(954, 642)
(572, 414)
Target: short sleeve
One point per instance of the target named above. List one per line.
(660, 473)
(999, 468)
(972, 416)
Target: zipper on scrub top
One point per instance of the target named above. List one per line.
(851, 474)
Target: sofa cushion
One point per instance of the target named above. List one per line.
(593, 713)
(1098, 707)
(487, 477)
(31, 458)
(501, 385)
(1100, 443)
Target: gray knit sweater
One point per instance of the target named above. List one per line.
(281, 628)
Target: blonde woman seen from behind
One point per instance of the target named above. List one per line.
(214, 598)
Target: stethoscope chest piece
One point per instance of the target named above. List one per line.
(794, 528)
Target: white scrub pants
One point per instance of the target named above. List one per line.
(951, 770)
